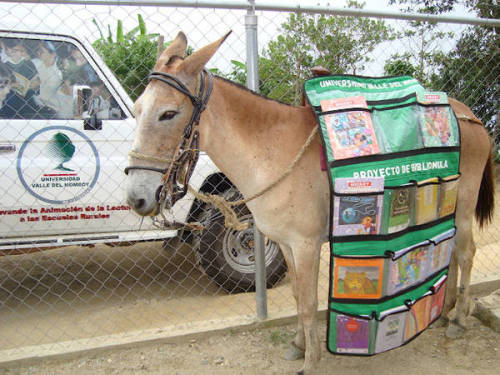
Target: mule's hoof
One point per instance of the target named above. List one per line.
(455, 330)
(300, 372)
(294, 352)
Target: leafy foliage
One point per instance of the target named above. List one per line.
(131, 55)
(342, 44)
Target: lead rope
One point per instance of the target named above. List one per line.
(226, 207)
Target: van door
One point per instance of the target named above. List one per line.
(64, 138)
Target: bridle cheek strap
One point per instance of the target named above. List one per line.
(180, 167)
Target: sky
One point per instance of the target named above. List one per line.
(201, 25)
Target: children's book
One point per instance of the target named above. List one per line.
(408, 268)
(358, 278)
(448, 195)
(390, 329)
(437, 302)
(426, 201)
(357, 214)
(353, 335)
(350, 132)
(417, 318)
(435, 121)
(440, 255)
(400, 206)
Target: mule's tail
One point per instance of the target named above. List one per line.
(486, 200)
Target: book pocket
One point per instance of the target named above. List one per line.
(387, 325)
(426, 201)
(448, 192)
(349, 127)
(398, 207)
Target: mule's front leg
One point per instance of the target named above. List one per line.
(306, 259)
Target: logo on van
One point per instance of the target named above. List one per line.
(58, 164)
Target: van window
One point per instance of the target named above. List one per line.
(42, 79)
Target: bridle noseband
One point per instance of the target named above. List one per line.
(180, 167)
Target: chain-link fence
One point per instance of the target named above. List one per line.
(107, 276)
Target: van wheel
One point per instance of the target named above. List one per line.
(227, 256)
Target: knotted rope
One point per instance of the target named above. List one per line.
(226, 207)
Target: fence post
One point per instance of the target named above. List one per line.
(253, 84)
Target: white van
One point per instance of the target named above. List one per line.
(66, 126)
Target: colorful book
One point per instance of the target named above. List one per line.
(448, 195)
(357, 214)
(440, 253)
(435, 121)
(353, 334)
(417, 318)
(408, 267)
(400, 208)
(437, 302)
(358, 278)
(390, 329)
(350, 132)
(426, 201)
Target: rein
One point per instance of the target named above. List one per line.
(185, 157)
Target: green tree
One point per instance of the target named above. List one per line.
(470, 72)
(342, 44)
(130, 56)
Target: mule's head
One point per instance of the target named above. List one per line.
(162, 114)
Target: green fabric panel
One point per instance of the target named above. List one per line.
(378, 248)
(368, 308)
(321, 88)
(399, 171)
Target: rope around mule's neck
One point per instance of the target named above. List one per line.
(226, 207)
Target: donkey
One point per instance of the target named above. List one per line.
(251, 139)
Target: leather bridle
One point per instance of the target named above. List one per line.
(180, 167)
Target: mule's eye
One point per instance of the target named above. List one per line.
(168, 115)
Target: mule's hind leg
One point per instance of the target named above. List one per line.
(306, 257)
(465, 258)
(451, 290)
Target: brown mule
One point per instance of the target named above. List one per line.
(252, 139)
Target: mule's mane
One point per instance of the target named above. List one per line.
(246, 89)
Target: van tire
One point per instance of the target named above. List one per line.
(227, 255)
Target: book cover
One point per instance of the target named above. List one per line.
(357, 214)
(448, 195)
(408, 269)
(400, 208)
(390, 331)
(358, 278)
(426, 201)
(435, 127)
(437, 303)
(417, 318)
(440, 255)
(350, 133)
(353, 335)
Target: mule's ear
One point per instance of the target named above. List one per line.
(194, 63)
(176, 48)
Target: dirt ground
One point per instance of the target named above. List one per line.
(260, 351)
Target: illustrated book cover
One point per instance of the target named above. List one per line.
(353, 335)
(350, 132)
(417, 318)
(357, 214)
(408, 269)
(437, 302)
(435, 121)
(426, 201)
(400, 208)
(448, 195)
(440, 255)
(358, 278)
(390, 330)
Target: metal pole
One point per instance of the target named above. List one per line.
(253, 84)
